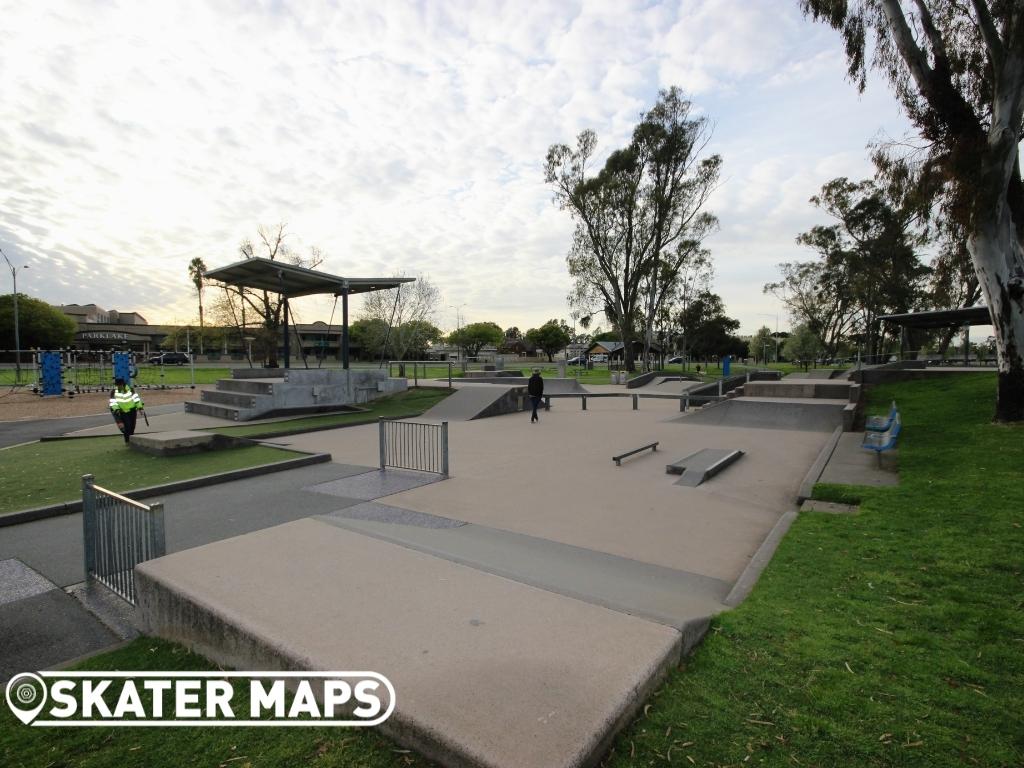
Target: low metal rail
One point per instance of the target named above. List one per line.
(414, 445)
(119, 533)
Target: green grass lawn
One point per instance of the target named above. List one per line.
(412, 402)
(24, 747)
(39, 474)
(893, 638)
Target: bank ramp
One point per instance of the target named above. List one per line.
(477, 401)
(809, 415)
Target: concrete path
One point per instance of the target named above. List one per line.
(852, 465)
(28, 430)
(53, 546)
(40, 624)
(487, 671)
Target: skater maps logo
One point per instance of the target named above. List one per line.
(166, 699)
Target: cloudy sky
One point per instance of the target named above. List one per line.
(398, 137)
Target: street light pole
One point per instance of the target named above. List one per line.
(17, 334)
(458, 316)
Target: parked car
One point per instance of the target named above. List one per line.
(599, 358)
(578, 360)
(169, 358)
(675, 360)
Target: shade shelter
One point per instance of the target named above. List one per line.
(964, 318)
(291, 281)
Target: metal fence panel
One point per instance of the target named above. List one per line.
(119, 533)
(414, 445)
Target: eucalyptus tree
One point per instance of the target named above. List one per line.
(957, 69)
(640, 219)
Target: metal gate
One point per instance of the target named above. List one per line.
(119, 534)
(414, 445)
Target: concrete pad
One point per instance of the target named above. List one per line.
(487, 671)
(829, 507)
(18, 581)
(674, 598)
(173, 443)
(375, 484)
(40, 625)
(582, 499)
(852, 465)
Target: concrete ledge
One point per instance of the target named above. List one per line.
(829, 507)
(71, 507)
(745, 583)
(487, 671)
(807, 486)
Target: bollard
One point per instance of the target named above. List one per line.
(719, 387)
(636, 402)
(686, 402)
(584, 399)
(547, 403)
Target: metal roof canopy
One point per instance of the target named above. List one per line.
(941, 318)
(292, 281)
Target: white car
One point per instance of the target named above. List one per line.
(599, 358)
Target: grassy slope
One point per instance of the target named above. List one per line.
(892, 638)
(46, 473)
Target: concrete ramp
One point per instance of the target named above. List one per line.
(477, 401)
(702, 465)
(808, 415)
(552, 386)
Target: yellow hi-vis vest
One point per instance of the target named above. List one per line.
(125, 400)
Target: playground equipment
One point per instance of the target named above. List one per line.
(72, 372)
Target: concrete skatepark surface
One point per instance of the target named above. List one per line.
(773, 413)
(541, 588)
(524, 608)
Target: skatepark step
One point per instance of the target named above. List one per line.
(248, 386)
(236, 399)
(232, 413)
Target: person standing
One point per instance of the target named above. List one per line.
(125, 405)
(535, 388)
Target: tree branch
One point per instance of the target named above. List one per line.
(989, 33)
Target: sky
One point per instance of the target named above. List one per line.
(398, 138)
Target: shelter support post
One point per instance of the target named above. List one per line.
(287, 346)
(344, 325)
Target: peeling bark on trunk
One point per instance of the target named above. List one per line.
(998, 260)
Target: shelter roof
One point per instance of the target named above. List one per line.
(291, 280)
(941, 318)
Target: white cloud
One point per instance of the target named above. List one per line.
(135, 136)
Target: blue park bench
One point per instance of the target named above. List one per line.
(882, 423)
(880, 442)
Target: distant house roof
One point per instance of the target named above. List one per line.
(617, 347)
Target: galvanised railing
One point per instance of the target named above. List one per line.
(119, 534)
(414, 445)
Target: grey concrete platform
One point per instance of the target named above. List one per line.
(375, 484)
(702, 465)
(41, 625)
(475, 401)
(665, 595)
(852, 465)
(487, 671)
(803, 414)
(173, 443)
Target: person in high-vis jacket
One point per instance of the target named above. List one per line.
(125, 404)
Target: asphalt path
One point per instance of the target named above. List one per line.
(53, 546)
(27, 430)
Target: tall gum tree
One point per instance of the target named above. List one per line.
(957, 69)
(640, 219)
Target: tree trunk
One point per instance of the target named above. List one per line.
(998, 260)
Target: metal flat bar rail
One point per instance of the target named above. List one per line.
(618, 459)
